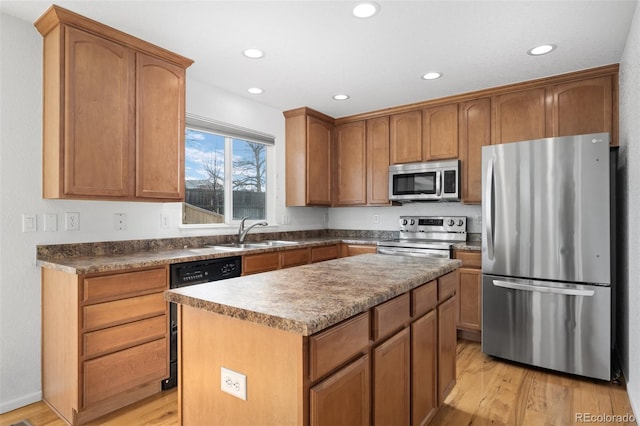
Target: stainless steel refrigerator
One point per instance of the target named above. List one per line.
(548, 254)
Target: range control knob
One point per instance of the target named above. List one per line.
(460, 222)
(413, 222)
(451, 222)
(404, 221)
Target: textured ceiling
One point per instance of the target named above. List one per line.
(315, 49)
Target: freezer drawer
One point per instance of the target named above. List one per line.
(563, 327)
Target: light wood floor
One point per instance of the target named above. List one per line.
(488, 391)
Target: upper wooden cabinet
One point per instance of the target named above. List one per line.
(474, 133)
(440, 132)
(519, 116)
(308, 158)
(405, 132)
(361, 159)
(113, 125)
(584, 106)
(350, 149)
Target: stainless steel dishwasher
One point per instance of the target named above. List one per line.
(190, 273)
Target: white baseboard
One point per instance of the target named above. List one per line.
(6, 406)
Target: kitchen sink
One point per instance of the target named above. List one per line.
(236, 246)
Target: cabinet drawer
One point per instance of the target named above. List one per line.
(294, 257)
(470, 258)
(118, 372)
(447, 285)
(263, 262)
(330, 348)
(124, 336)
(390, 316)
(120, 286)
(318, 254)
(424, 298)
(123, 311)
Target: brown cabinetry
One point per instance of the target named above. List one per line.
(391, 380)
(424, 368)
(308, 158)
(347, 250)
(270, 261)
(350, 150)
(446, 348)
(584, 106)
(469, 316)
(519, 116)
(104, 340)
(378, 161)
(440, 132)
(113, 113)
(474, 133)
(405, 136)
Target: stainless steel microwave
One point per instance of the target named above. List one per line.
(429, 181)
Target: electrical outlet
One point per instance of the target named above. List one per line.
(376, 218)
(164, 220)
(233, 383)
(71, 221)
(120, 221)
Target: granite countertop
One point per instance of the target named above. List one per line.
(87, 264)
(309, 298)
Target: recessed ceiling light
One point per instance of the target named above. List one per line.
(365, 10)
(543, 49)
(432, 75)
(255, 91)
(341, 97)
(253, 53)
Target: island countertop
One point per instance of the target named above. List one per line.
(307, 299)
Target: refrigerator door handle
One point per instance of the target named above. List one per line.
(488, 209)
(541, 289)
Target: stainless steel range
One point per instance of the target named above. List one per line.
(427, 236)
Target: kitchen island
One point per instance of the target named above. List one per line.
(344, 341)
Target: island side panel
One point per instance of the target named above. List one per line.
(273, 361)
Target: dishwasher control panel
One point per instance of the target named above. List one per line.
(202, 271)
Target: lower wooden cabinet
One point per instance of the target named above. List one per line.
(392, 380)
(469, 311)
(270, 261)
(424, 368)
(105, 340)
(347, 250)
(343, 399)
(447, 340)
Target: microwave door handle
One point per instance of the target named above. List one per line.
(438, 182)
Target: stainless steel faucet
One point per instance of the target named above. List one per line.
(242, 232)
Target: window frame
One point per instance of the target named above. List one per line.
(230, 132)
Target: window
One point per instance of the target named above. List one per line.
(226, 172)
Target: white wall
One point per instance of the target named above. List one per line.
(20, 193)
(629, 204)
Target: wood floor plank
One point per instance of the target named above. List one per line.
(488, 391)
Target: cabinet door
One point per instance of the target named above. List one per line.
(351, 164)
(475, 132)
(470, 299)
(440, 132)
(160, 116)
(343, 398)
(391, 378)
(318, 162)
(261, 262)
(424, 367)
(98, 122)
(519, 116)
(406, 137)
(378, 161)
(446, 348)
(583, 106)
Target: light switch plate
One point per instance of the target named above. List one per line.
(29, 223)
(50, 222)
